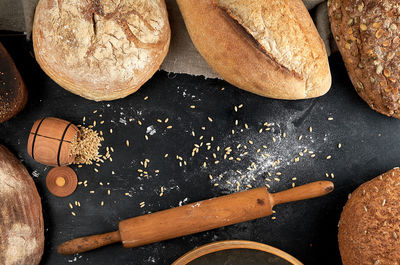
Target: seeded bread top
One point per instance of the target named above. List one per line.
(369, 227)
(368, 38)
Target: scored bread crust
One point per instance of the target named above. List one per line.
(369, 226)
(21, 220)
(100, 49)
(243, 43)
(367, 34)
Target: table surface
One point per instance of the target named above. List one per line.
(307, 229)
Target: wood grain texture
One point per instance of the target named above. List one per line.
(21, 220)
(49, 141)
(101, 50)
(197, 217)
(61, 181)
(367, 35)
(13, 93)
(233, 244)
(369, 227)
(88, 243)
(266, 47)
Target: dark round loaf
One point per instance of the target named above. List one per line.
(369, 227)
(21, 220)
(367, 34)
(13, 93)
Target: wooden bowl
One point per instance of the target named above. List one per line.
(202, 251)
(50, 141)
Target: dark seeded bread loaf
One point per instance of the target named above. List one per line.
(21, 220)
(369, 227)
(13, 93)
(367, 34)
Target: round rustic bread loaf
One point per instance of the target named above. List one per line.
(13, 93)
(369, 227)
(367, 34)
(99, 49)
(21, 220)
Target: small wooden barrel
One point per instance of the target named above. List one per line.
(50, 141)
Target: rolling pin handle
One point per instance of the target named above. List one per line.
(88, 243)
(308, 191)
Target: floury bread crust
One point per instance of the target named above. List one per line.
(101, 49)
(21, 220)
(367, 34)
(369, 227)
(270, 48)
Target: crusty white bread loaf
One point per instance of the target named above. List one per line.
(99, 49)
(369, 227)
(21, 220)
(267, 47)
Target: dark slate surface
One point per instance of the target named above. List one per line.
(306, 229)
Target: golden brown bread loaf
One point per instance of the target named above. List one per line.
(369, 227)
(368, 38)
(13, 93)
(270, 48)
(21, 220)
(100, 49)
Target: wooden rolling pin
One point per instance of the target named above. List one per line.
(196, 217)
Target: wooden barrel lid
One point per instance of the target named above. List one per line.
(61, 181)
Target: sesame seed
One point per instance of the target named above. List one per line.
(339, 145)
(146, 97)
(300, 137)
(127, 143)
(166, 120)
(102, 203)
(192, 106)
(328, 157)
(139, 122)
(210, 119)
(310, 129)
(330, 119)
(70, 206)
(74, 214)
(146, 137)
(169, 127)
(240, 106)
